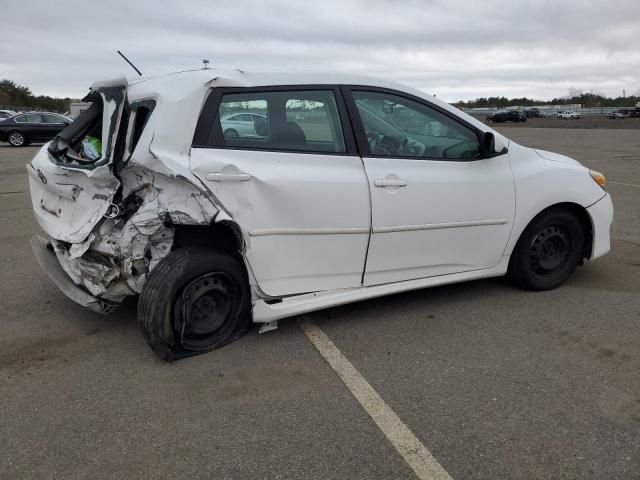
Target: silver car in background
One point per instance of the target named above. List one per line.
(244, 125)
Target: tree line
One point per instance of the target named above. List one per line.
(575, 96)
(15, 95)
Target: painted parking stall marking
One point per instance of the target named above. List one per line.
(424, 465)
(624, 184)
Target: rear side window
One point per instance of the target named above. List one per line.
(140, 113)
(279, 120)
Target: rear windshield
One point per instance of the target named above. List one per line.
(87, 141)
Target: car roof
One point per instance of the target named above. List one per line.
(182, 93)
(236, 77)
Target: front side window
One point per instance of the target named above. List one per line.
(399, 127)
(52, 119)
(281, 120)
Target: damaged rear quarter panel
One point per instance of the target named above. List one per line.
(134, 212)
(158, 191)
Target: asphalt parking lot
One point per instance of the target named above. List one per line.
(495, 382)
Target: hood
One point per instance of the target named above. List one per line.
(556, 157)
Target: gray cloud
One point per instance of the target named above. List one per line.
(457, 50)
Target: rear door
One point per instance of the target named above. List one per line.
(437, 206)
(32, 126)
(299, 191)
(71, 191)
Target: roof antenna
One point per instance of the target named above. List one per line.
(205, 64)
(127, 60)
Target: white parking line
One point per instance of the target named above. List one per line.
(405, 442)
(625, 184)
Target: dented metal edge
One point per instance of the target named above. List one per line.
(49, 263)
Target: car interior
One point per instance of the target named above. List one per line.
(397, 127)
(81, 141)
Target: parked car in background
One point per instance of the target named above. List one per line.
(507, 116)
(565, 114)
(244, 125)
(76, 108)
(361, 188)
(6, 114)
(22, 129)
(617, 115)
(532, 112)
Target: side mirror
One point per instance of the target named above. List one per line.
(489, 147)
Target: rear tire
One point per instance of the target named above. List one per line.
(231, 133)
(17, 139)
(548, 250)
(194, 301)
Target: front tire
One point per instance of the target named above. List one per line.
(548, 250)
(195, 300)
(17, 139)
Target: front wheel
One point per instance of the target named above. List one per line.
(194, 301)
(548, 250)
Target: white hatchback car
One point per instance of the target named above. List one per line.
(359, 188)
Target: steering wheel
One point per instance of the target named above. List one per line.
(374, 138)
(411, 147)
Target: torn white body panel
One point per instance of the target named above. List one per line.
(114, 259)
(70, 194)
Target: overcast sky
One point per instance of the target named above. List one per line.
(455, 49)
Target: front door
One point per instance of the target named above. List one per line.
(297, 188)
(437, 207)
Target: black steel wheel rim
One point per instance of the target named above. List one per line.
(206, 310)
(550, 249)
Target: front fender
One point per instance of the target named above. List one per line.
(541, 183)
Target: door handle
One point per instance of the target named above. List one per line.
(391, 182)
(228, 177)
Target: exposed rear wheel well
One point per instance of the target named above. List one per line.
(581, 213)
(223, 236)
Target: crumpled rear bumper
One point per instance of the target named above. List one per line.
(49, 263)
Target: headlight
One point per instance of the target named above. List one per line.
(598, 178)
